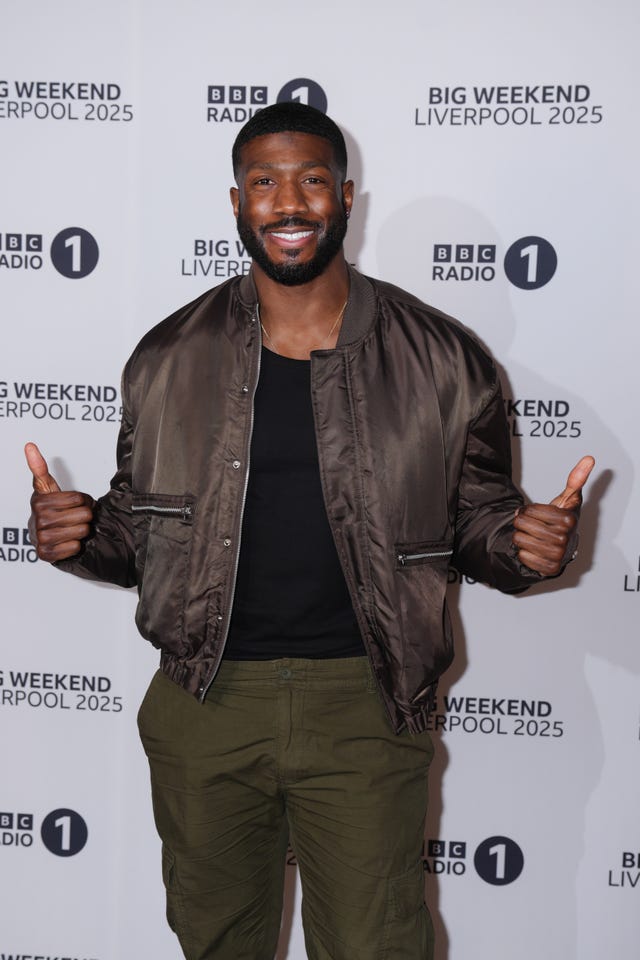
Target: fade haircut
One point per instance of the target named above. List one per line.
(292, 117)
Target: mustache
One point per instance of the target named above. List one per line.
(290, 222)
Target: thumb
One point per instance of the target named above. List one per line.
(571, 496)
(43, 482)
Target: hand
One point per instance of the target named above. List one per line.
(59, 520)
(542, 531)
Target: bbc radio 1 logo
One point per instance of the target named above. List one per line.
(236, 103)
(63, 832)
(16, 546)
(74, 252)
(498, 860)
(529, 263)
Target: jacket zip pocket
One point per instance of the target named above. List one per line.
(172, 507)
(414, 553)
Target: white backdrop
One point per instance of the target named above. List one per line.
(494, 149)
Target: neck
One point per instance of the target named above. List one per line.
(302, 318)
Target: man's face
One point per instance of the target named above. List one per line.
(291, 205)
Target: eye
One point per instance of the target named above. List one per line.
(262, 181)
(314, 179)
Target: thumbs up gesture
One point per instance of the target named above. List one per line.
(542, 530)
(59, 520)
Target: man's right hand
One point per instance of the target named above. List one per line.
(60, 520)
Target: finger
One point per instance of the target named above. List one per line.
(59, 551)
(58, 520)
(53, 537)
(547, 567)
(548, 549)
(571, 495)
(542, 518)
(43, 482)
(540, 532)
(55, 504)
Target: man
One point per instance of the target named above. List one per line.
(303, 453)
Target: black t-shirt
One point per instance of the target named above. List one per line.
(291, 599)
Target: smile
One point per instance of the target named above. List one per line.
(293, 237)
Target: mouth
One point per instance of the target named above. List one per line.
(291, 239)
(291, 236)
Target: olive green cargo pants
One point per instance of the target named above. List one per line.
(299, 750)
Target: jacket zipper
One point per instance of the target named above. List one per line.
(365, 618)
(227, 621)
(185, 511)
(404, 558)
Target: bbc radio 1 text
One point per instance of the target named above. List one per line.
(58, 691)
(501, 716)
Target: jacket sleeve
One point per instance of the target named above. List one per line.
(487, 502)
(108, 553)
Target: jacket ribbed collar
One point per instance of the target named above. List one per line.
(359, 314)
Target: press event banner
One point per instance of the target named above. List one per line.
(494, 149)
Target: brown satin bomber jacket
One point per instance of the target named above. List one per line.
(415, 466)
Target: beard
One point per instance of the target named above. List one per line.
(291, 273)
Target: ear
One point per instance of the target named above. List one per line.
(347, 196)
(235, 200)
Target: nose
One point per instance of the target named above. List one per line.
(290, 197)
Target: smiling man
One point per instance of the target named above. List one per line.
(304, 452)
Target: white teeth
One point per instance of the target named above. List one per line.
(298, 235)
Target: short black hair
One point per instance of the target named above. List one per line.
(295, 118)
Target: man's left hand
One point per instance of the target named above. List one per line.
(542, 530)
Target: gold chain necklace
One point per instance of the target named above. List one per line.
(324, 339)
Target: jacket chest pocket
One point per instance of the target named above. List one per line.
(163, 525)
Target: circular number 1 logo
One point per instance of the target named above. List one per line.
(74, 253)
(499, 861)
(304, 91)
(64, 832)
(530, 262)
